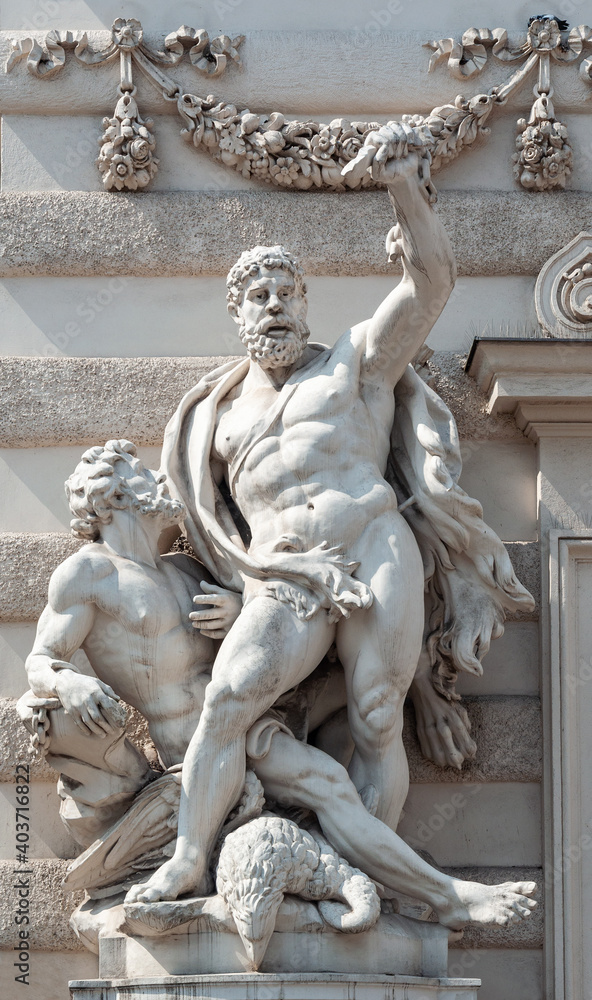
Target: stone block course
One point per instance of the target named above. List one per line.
(78, 233)
(508, 734)
(51, 907)
(511, 667)
(50, 973)
(28, 560)
(506, 729)
(135, 397)
(132, 398)
(515, 974)
(493, 822)
(526, 560)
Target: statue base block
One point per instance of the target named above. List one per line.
(262, 986)
(396, 945)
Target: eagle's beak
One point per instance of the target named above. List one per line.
(255, 950)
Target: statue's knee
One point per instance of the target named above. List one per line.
(319, 785)
(379, 717)
(227, 704)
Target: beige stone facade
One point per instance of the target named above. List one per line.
(112, 306)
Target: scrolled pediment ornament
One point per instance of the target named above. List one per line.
(563, 291)
(307, 155)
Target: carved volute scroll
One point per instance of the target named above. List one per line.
(563, 292)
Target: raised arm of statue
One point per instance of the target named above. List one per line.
(404, 319)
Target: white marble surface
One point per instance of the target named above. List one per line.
(396, 946)
(294, 986)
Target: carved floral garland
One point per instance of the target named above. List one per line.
(543, 157)
(305, 155)
(308, 154)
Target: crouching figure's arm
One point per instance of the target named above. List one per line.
(63, 627)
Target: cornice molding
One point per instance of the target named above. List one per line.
(545, 384)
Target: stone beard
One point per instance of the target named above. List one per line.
(275, 352)
(97, 488)
(161, 504)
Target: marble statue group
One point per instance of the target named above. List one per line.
(303, 561)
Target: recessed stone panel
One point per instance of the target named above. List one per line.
(497, 823)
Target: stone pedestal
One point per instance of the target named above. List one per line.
(261, 986)
(396, 945)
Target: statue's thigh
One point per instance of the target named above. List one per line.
(268, 649)
(379, 647)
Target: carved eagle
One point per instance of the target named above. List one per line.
(270, 856)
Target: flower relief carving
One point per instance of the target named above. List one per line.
(563, 291)
(126, 159)
(306, 154)
(543, 157)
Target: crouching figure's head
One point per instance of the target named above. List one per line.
(113, 478)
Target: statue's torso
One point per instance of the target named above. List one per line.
(317, 471)
(143, 644)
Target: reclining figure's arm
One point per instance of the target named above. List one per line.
(63, 627)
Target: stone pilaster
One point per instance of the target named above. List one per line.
(547, 386)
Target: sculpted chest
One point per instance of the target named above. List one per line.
(144, 600)
(304, 415)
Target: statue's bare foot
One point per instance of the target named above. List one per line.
(175, 878)
(487, 904)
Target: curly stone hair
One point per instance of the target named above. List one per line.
(249, 266)
(95, 489)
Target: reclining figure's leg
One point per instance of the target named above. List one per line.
(297, 774)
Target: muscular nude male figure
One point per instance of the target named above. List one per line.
(302, 441)
(131, 611)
